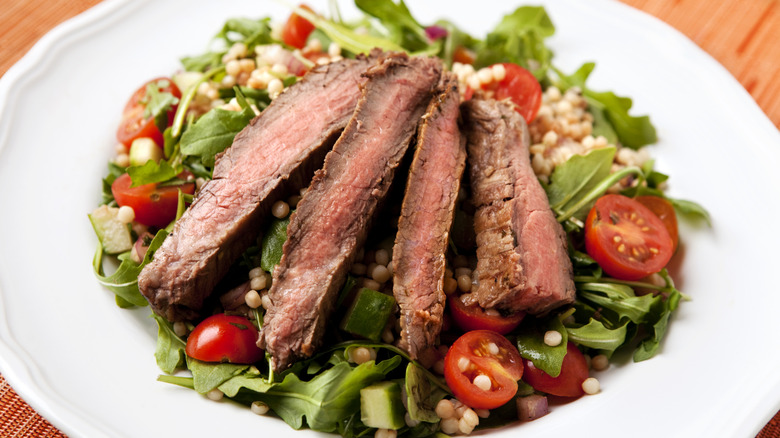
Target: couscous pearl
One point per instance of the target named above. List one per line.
(485, 75)
(334, 49)
(180, 329)
(553, 338)
(380, 274)
(253, 299)
(122, 160)
(387, 336)
(265, 301)
(314, 45)
(460, 261)
(482, 413)
(438, 367)
(464, 427)
(280, 209)
(449, 426)
(275, 86)
(471, 417)
(247, 65)
(464, 283)
(279, 69)
(492, 312)
(463, 364)
(371, 284)
(483, 382)
(462, 271)
(390, 267)
(450, 285)
(121, 148)
(553, 93)
(258, 283)
(233, 68)
(473, 82)
(382, 257)
(444, 409)
(599, 362)
(215, 394)
(256, 272)
(228, 81)
(550, 138)
(499, 72)
(493, 348)
(591, 386)
(126, 214)
(360, 355)
(259, 408)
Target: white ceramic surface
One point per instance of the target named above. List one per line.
(88, 366)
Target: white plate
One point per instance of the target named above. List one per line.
(88, 366)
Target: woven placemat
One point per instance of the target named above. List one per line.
(19, 419)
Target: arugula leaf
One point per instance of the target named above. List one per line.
(619, 299)
(595, 335)
(207, 376)
(114, 172)
(691, 210)
(347, 38)
(609, 108)
(421, 395)
(124, 281)
(530, 343)
(455, 38)
(519, 38)
(151, 172)
(157, 103)
(272, 244)
(575, 178)
(214, 132)
(250, 32)
(402, 27)
(170, 348)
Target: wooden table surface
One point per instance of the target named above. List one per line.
(743, 35)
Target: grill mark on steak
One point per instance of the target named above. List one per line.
(279, 150)
(522, 258)
(331, 221)
(419, 255)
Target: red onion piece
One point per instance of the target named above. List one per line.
(435, 32)
(532, 407)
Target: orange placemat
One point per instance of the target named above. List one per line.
(743, 35)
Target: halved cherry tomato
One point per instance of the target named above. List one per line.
(626, 239)
(521, 87)
(463, 55)
(474, 318)
(224, 338)
(483, 353)
(574, 371)
(135, 124)
(154, 205)
(665, 211)
(297, 29)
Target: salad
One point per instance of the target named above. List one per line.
(586, 150)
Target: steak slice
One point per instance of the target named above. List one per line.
(522, 258)
(280, 149)
(332, 220)
(419, 255)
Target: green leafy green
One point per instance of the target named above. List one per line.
(519, 38)
(207, 376)
(530, 343)
(596, 335)
(691, 209)
(157, 103)
(114, 172)
(151, 172)
(272, 244)
(401, 26)
(571, 181)
(214, 132)
(421, 395)
(347, 38)
(170, 348)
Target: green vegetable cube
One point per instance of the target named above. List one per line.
(368, 314)
(381, 406)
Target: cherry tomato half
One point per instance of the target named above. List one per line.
(626, 239)
(665, 211)
(135, 124)
(474, 318)
(154, 205)
(522, 88)
(483, 354)
(224, 338)
(574, 371)
(297, 30)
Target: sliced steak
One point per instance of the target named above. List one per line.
(522, 258)
(331, 221)
(419, 255)
(280, 149)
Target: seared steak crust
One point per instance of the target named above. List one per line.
(522, 260)
(419, 255)
(279, 150)
(331, 221)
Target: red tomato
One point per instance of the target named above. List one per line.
(483, 353)
(154, 205)
(574, 371)
(626, 239)
(134, 124)
(522, 88)
(474, 318)
(224, 338)
(665, 211)
(463, 55)
(297, 30)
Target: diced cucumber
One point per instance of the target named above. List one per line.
(368, 314)
(113, 234)
(144, 149)
(381, 406)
